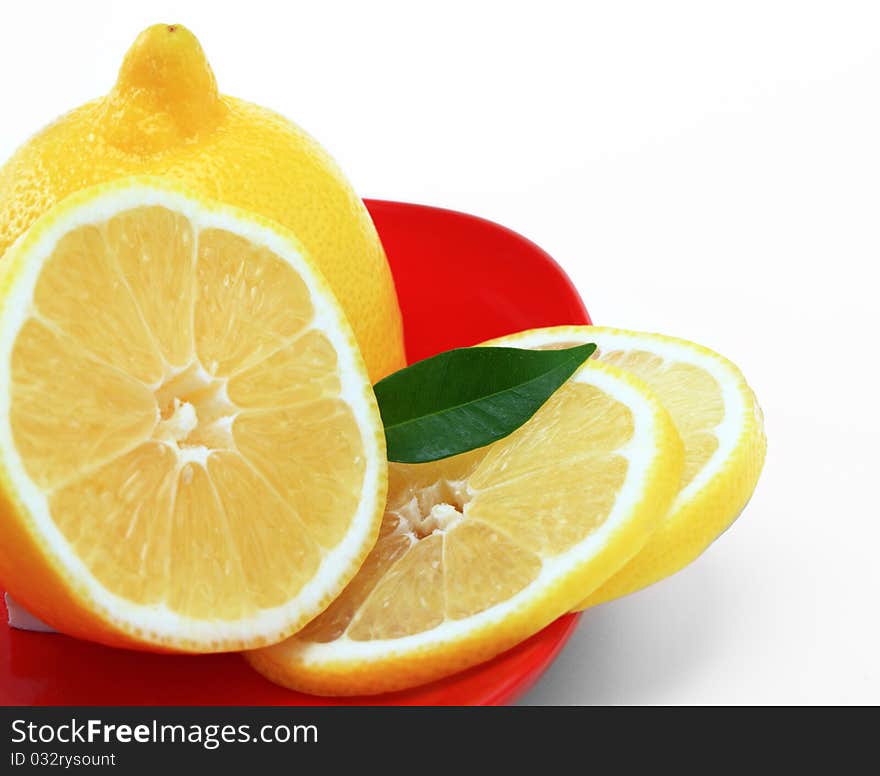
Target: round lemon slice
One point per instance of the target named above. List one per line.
(191, 457)
(719, 421)
(481, 550)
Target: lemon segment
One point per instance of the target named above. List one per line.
(479, 551)
(719, 421)
(204, 478)
(150, 245)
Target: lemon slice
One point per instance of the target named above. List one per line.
(481, 550)
(191, 457)
(719, 421)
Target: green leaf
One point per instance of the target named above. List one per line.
(469, 397)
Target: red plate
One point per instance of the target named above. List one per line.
(461, 280)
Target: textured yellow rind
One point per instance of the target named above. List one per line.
(165, 117)
(695, 524)
(36, 575)
(288, 663)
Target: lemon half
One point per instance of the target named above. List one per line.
(191, 456)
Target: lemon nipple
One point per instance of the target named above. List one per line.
(165, 93)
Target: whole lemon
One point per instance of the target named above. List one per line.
(165, 117)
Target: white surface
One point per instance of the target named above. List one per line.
(710, 170)
(21, 618)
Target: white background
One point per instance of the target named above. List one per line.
(705, 169)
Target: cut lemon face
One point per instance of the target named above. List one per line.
(719, 421)
(191, 457)
(481, 550)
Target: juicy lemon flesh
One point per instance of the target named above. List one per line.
(676, 384)
(171, 398)
(690, 394)
(466, 533)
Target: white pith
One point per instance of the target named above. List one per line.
(158, 622)
(641, 452)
